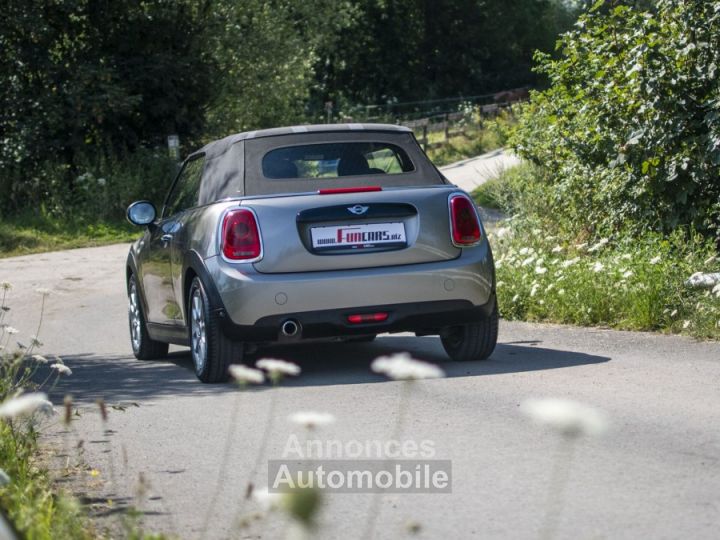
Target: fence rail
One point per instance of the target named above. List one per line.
(452, 124)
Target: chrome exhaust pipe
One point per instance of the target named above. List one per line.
(290, 328)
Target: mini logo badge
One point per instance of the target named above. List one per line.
(358, 209)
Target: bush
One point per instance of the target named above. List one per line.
(629, 130)
(635, 284)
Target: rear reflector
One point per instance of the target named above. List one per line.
(338, 191)
(464, 222)
(367, 318)
(240, 235)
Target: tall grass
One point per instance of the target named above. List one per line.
(555, 268)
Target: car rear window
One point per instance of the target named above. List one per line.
(335, 160)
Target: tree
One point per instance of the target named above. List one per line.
(630, 126)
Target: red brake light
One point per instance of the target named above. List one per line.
(367, 318)
(240, 235)
(338, 191)
(464, 224)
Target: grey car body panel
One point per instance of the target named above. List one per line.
(290, 278)
(249, 295)
(285, 251)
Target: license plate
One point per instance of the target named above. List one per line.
(362, 236)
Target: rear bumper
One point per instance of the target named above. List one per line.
(423, 318)
(251, 299)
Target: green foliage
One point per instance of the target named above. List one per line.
(266, 52)
(36, 511)
(95, 87)
(635, 284)
(628, 133)
(32, 233)
(474, 140)
(408, 49)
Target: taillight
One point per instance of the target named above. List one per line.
(240, 235)
(464, 223)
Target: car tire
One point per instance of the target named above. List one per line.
(212, 352)
(143, 346)
(474, 341)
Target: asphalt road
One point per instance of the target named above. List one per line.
(470, 173)
(654, 474)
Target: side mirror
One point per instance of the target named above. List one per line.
(141, 213)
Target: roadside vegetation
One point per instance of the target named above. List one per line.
(28, 497)
(91, 99)
(478, 136)
(619, 203)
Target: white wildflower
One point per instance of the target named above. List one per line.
(402, 366)
(25, 404)
(656, 260)
(598, 267)
(524, 251)
(502, 231)
(561, 292)
(674, 312)
(581, 246)
(246, 375)
(39, 358)
(516, 298)
(570, 262)
(686, 324)
(10, 330)
(5, 285)
(628, 274)
(570, 418)
(43, 291)
(716, 290)
(534, 290)
(500, 284)
(62, 369)
(626, 256)
(310, 419)
(4, 478)
(597, 247)
(277, 367)
(540, 270)
(528, 261)
(556, 249)
(101, 181)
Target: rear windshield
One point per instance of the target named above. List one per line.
(334, 160)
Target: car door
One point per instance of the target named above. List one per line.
(163, 307)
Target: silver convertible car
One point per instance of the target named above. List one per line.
(334, 232)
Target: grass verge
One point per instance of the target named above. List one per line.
(27, 234)
(29, 498)
(477, 139)
(547, 273)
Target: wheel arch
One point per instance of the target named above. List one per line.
(194, 266)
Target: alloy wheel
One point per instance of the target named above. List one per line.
(198, 331)
(134, 317)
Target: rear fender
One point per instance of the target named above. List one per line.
(193, 265)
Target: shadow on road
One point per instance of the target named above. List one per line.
(122, 378)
